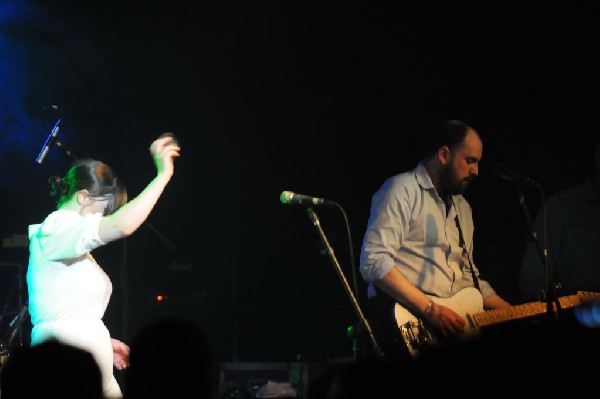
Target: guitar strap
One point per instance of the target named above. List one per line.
(461, 242)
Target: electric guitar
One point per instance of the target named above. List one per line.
(468, 303)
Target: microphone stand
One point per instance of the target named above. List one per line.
(550, 295)
(365, 324)
(15, 326)
(53, 140)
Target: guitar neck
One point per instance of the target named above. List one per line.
(517, 312)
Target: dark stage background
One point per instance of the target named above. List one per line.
(324, 99)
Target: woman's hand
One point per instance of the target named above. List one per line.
(120, 354)
(164, 150)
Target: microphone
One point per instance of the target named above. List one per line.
(510, 175)
(50, 141)
(288, 197)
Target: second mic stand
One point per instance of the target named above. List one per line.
(315, 219)
(550, 294)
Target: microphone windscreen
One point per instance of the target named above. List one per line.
(286, 196)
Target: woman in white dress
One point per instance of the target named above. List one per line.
(68, 290)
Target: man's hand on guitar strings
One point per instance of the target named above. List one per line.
(445, 321)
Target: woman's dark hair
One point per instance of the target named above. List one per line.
(94, 176)
(450, 133)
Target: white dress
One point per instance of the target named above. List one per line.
(68, 290)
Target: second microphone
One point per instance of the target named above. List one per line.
(289, 197)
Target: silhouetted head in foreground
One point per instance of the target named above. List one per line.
(51, 369)
(170, 358)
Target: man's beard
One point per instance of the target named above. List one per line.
(451, 185)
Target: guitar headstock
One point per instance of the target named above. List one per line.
(588, 296)
(582, 297)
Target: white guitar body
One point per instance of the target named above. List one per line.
(415, 333)
(468, 303)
